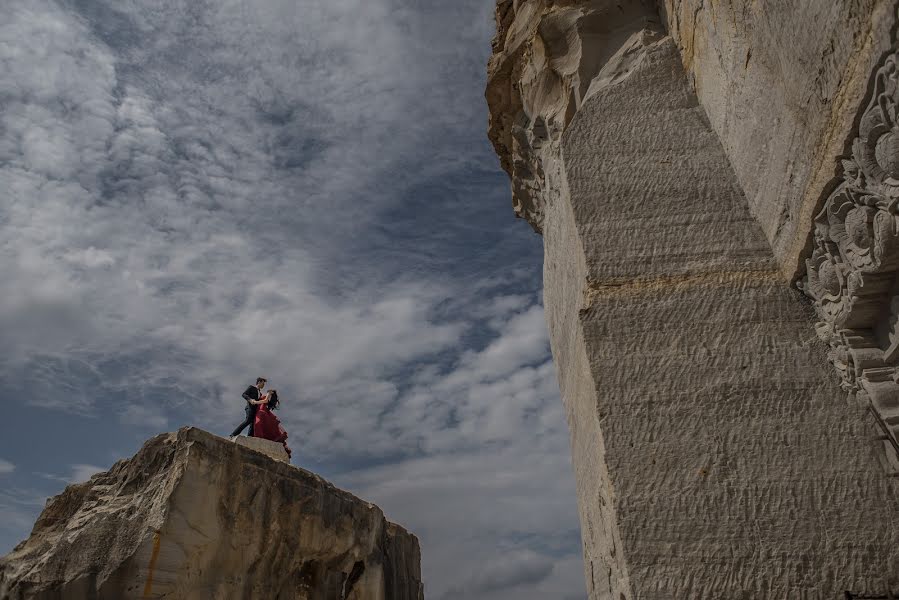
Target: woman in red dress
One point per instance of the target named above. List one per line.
(267, 425)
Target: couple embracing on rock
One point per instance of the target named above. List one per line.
(262, 421)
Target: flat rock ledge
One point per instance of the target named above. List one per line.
(271, 449)
(194, 516)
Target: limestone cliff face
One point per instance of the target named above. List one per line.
(195, 517)
(781, 84)
(548, 58)
(716, 453)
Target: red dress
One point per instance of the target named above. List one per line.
(268, 426)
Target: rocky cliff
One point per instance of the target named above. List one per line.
(196, 517)
(685, 163)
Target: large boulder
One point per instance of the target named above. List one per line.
(194, 516)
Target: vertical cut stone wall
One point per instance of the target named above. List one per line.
(715, 453)
(564, 274)
(736, 465)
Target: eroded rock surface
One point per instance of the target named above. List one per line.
(548, 58)
(715, 453)
(196, 517)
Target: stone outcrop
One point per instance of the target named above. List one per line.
(675, 157)
(196, 517)
(271, 449)
(548, 58)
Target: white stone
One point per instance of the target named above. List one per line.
(194, 516)
(271, 449)
(715, 454)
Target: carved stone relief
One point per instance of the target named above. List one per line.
(852, 272)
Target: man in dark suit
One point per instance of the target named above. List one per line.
(252, 397)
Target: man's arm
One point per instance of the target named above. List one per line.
(248, 395)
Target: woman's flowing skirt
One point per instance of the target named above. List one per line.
(268, 426)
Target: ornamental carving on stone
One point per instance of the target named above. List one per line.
(852, 272)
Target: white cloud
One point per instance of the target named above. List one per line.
(504, 572)
(78, 473)
(144, 416)
(493, 455)
(18, 508)
(470, 509)
(6, 467)
(81, 473)
(152, 221)
(90, 258)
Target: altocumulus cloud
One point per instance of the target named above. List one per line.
(507, 571)
(202, 193)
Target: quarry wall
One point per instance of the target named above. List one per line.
(679, 188)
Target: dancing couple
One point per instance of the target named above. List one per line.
(262, 421)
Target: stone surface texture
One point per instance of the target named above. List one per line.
(715, 452)
(196, 517)
(271, 449)
(781, 83)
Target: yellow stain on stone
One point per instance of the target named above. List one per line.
(824, 169)
(622, 288)
(148, 586)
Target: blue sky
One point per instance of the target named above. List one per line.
(198, 192)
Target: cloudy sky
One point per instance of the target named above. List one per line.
(196, 192)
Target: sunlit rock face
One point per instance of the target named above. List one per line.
(716, 450)
(782, 84)
(548, 58)
(194, 516)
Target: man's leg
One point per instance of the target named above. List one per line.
(241, 427)
(250, 417)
